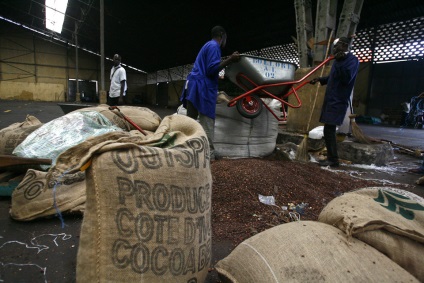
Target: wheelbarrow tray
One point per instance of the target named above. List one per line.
(264, 78)
(252, 71)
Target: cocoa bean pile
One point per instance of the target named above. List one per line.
(237, 213)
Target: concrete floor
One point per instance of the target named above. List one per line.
(43, 251)
(413, 138)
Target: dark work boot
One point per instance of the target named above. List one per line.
(329, 163)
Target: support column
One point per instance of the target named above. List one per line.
(77, 95)
(349, 18)
(102, 93)
(304, 28)
(324, 24)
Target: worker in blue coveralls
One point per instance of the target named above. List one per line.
(340, 84)
(201, 88)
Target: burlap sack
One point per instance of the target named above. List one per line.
(402, 250)
(389, 219)
(62, 133)
(240, 137)
(145, 118)
(35, 197)
(13, 135)
(148, 210)
(307, 251)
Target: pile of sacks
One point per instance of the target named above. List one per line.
(144, 220)
(35, 197)
(373, 234)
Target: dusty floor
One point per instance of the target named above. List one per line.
(44, 251)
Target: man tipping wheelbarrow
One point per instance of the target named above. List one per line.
(340, 84)
(265, 78)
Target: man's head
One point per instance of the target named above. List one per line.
(116, 59)
(341, 44)
(219, 34)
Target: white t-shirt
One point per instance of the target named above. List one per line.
(117, 75)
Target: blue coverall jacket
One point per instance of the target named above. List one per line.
(202, 88)
(340, 84)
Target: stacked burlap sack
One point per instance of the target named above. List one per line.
(13, 135)
(367, 235)
(145, 118)
(238, 137)
(35, 196)
(388, 219)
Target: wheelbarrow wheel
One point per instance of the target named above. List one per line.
(249, 106)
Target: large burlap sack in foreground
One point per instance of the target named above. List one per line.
(35, 197)
(145, 118)
(148, 211)
(13, 135)
(307, 251)
(389, 219)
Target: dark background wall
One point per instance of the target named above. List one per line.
(392, 84)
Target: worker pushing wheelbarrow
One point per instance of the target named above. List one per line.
(265, 78)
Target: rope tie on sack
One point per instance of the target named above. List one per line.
(58, 212)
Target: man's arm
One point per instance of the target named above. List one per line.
(232, 58)
(321, 80)
(122, 89)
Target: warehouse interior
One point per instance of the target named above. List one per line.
(158, 43)
(136, 198)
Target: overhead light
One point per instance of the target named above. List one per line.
(55, 14)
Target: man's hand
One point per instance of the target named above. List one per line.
(314, 81)
(235, 57)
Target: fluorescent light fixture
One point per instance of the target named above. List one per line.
(55, 14)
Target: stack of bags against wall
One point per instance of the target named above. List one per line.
(240, 137)
(35, 197)
(148, 210)
(367, 235)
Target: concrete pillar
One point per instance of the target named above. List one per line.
(102, 97)
(102, 93)
(304, 27)
(349, 18)
(325, 23)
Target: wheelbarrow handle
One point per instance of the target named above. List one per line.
(127, 119)
(10, 160)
